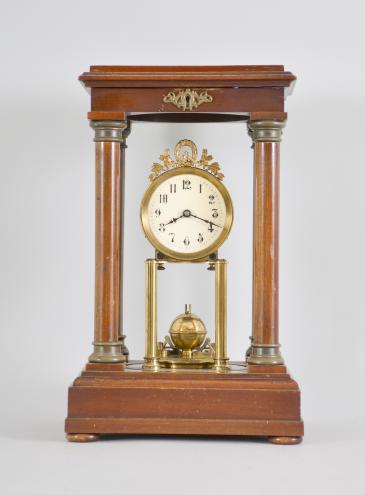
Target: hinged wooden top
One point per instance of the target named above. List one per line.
(230, 76)
(188, 93)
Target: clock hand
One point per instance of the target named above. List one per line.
(206, 221)
(185, 213)
(173, 220)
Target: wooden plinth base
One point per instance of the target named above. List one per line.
(110, 400)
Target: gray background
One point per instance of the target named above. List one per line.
(46, 264)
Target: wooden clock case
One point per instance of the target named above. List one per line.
(111, 397)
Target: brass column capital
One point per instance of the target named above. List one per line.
(266, 131)
(109, 130)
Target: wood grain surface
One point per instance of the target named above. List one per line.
(266, 243)
(205, 403)
(107, 241)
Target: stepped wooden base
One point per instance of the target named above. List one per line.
(111, 399)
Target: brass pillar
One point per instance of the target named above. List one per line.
(107, 342)
(220, 358)
(265, 347)
(151, 357)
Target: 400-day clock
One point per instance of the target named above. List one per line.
(186, 212)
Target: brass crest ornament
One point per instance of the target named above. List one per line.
(187, 99)
(185, 159)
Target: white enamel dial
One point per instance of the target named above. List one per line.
(187, 214)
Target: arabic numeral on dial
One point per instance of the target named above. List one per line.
(211, 198)
(172, 188)
(163, 198)
(158, 212)
(214, 213)
(162, 227)
(172, 234)
(186, 184)
(200, 188)
(200, 238)
(186, 241)
(210, 228)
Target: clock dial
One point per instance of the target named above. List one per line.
(186, 214)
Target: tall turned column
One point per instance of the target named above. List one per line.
(107, 340)
(122, 336)
(265, 347)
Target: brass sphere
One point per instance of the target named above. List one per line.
(187, 331)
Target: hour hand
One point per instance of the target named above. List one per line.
(174, 220)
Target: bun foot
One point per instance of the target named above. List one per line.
(82, 437)
(285, 440)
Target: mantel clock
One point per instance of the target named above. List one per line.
(185, 384)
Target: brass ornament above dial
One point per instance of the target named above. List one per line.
(187, 212)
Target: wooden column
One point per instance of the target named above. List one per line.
(107, 340)
(265, 347)
(122, 336)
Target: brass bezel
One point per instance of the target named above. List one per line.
(197, 255)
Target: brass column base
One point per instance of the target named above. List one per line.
(151, 364)
(107, 352)
(221, 365)
(264, 354)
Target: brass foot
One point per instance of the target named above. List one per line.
(82, 437)
(285, 440)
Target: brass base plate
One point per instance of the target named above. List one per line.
(196, 361)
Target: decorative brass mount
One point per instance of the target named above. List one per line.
(185, 159)
(187, 343)
(187, 99)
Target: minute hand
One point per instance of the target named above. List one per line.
(206, 221)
